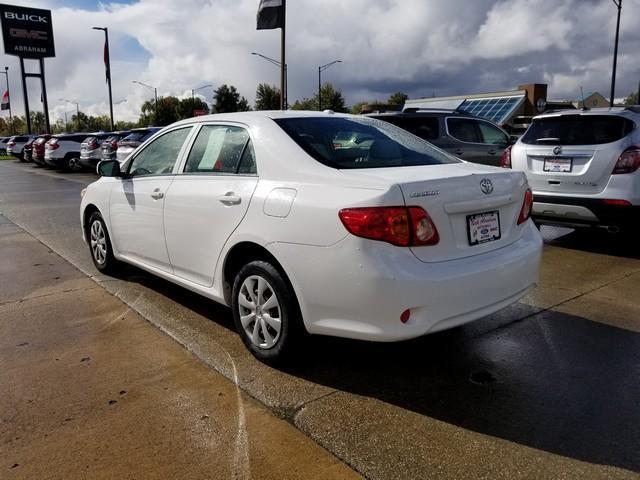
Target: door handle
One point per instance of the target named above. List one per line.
(229, 198)
(157, 194)
(491, 152)
(459, 151)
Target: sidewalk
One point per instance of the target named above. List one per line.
(92, 390)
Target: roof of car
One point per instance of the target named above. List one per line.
(630, 111)
(261, 114)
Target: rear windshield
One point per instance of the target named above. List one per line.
(140, 136)
(577, 130)
(375, 144)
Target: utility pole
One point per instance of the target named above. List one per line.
(618, 4)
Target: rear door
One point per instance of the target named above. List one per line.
(137, 200)
(208, 199)
(466, 141)
(573, 153)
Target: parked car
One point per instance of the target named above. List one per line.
(16, 144)
(132, 141)
(583, 167)
(109, 146)
(3, 145)
(90, 151)
(27, 150)
(465, 136)
(37, 149)
(258, 211)
(63, 151)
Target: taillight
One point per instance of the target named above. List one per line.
(628, 162)
(527, 205)
(505, 159)
(93, 144)
(52, 144)
(11, 144)
(400, 226)
(114, 144)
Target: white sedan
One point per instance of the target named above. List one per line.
(382, 240)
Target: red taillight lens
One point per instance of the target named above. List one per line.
(527, 205)
(616, 203)
(52, 144)
(11, 144)
(114, 144)
(628, 162)
(399, 226)
(505, 159)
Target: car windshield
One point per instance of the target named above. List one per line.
(577, 130)
(376, 144)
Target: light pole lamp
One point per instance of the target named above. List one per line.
(321, 69)
(77, 110)
(155, 92)
(618, 4)
(6, 74)
(194, 90)
(107, 66)
(286, 74)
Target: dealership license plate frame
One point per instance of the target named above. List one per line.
(560, 162)
(473, 230)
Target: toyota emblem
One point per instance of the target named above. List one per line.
(557, 150)
(486, 186)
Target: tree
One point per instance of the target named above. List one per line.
(632, 99)
(398, 98)
(267, 97)
(356, 109)
(188, 105)
(227, 99)
(332, 99)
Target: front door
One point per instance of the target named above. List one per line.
(137, 201)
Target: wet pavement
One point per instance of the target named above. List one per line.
(548, 388)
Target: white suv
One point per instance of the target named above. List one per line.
(583, 167)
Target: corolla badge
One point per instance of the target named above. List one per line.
(557, 150)
(486, 186)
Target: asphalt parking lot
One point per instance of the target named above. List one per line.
(548, 388)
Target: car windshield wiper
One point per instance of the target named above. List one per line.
(548, 140)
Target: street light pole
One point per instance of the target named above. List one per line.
(107, 66)
(155, 92)
(77, 110)
(6, 73)
(618, 4)
(321, 69)
(194, 90)
(283, 94)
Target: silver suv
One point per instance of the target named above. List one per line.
(583, 167)
(63, 151)
(90, 150)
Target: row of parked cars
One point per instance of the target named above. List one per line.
(75, 151)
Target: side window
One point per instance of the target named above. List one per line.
(248, 161)
(423, 127)
(217, 149)
(159, 157)
(464, 129)
(492, 135)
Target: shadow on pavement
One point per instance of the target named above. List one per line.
(554, 382)
(594, 241)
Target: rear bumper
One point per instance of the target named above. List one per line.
(58, 162)
(359, 288)
(580, 211)
(90, 161)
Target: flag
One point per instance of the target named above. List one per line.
(5, 100)
(270, 14)
(106, 61)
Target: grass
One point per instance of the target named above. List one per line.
(7, 157)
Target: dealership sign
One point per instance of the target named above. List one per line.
(27, 32)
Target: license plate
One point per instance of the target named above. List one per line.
(483, 227)
(561, 165)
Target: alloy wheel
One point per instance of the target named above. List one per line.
(98, 242)
(260, 313)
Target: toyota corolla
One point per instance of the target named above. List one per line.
(382, 240)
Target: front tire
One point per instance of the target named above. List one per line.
(266, 313)
(100, 245)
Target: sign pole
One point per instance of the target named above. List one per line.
(25, 94)
(45, 103)
(283, 62)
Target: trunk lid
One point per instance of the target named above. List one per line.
(462, 200)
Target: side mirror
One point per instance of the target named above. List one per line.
(108, 168)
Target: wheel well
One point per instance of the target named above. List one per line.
(240, 255)
(88, 211)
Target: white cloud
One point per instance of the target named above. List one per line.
(419, 46)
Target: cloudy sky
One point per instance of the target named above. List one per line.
(421, 47)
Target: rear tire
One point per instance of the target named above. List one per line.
(100, 245)
(73, 164)
(266, 313)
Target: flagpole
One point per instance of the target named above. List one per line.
(283, 62)
(6, 73)
(107, 66)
